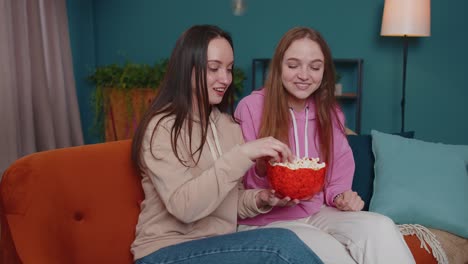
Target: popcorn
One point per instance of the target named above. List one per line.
(300, 179)
(311, 163)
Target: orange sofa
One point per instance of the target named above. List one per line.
(79, 205)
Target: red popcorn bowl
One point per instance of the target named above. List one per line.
(299, 180)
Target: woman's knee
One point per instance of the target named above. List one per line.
(383, 221)
(291, 246)
(280, 238)
(377, 223)
(276, 235)
(285, 234)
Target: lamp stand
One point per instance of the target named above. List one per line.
(403, 94)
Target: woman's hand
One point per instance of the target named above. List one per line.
(267, 147)
(267, 198)
(349, 201)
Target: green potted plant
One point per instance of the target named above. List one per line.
(124, 92)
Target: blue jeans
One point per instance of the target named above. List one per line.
(266, 245)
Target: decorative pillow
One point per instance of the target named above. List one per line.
(363, 181)
(419, 182)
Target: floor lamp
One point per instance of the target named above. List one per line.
(406, 18)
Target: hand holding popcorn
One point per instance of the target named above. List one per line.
(267, 198)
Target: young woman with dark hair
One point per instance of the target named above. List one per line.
(192, 156)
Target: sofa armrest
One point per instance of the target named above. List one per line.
(71, 205)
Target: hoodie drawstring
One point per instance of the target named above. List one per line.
(216, 142)
(296, 137)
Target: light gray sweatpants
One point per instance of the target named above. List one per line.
(339, 237)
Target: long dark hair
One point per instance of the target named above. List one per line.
(177, 96)
(275, 112)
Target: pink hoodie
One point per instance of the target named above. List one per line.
(339, 173)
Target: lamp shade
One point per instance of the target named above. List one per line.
(410, 18)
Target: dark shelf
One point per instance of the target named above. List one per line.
(352, 99)
(347, 96)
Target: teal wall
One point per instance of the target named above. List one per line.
(109, 31)
(81, 25)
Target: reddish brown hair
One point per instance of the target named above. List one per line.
(276, 113)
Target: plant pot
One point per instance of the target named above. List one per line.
(123, 111)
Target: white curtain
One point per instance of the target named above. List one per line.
(38, 103)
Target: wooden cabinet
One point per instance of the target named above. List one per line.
(350, 99)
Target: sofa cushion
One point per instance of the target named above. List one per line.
(363, 181)
(71, 205)
(419, 182)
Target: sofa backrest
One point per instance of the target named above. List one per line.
(71, 205)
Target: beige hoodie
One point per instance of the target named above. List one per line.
(183, 204)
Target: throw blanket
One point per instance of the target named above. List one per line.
(427, 238)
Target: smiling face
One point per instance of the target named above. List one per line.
(302, 71)
(219, 69)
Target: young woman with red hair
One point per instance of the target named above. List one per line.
(298, 107)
